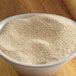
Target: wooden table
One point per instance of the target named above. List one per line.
(61, 7)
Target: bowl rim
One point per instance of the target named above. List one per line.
(51, 64)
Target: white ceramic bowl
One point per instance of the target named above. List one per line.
(31, 69)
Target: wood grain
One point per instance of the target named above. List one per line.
(13, 7)
(71, 6)
(65, 8)
(6, 69)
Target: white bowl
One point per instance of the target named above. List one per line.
(31, 69)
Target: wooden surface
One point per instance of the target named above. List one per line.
(61, 7)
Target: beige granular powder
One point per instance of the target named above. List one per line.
(38, 39)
